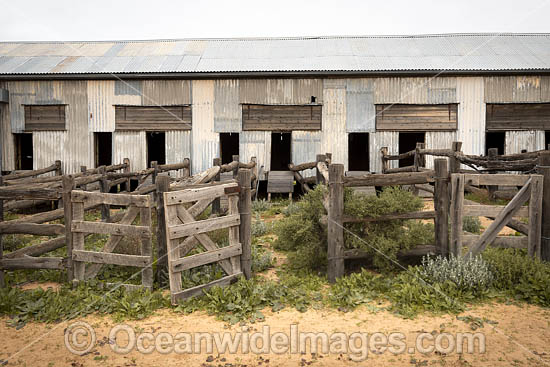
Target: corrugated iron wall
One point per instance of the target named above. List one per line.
(178, 147)
(132, 145)
(305, 147)
(256, 144)
(205, 142)
(471, 114)
(334, 138)
(438, 140)
(516, 141)
(227, 110)
(378, 140)
(360, 109)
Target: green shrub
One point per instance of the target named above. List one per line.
(262, 259)
(260, 205)
(259, 227)
(302, 233)
(519, 275)
(467, 273)
(290, 209)
(471, 224)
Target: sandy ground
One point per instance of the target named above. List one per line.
(519, 338)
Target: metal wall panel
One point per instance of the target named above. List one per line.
(256, 144)
(227, 110)
(387, 90)
(280, 91)
(132, 145)
(516, 141)
(205, 141)
(166, 92)
(128, 87)
(305, 147)
(178, 147)
(101, 112)
(545, 88)
(334, 137)
(442, 90)
(514, 89)
(471, 114)
(378, 140)
(8, 149)
(438, 140)
(49, 146)
(360, 110)
(74, 94)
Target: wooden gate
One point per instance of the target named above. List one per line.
(136, 205)
(531, 190)
(184, 233)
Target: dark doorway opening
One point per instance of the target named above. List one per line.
(546, 139)
(280, 151)
(358, 152)
(23, 151)
(495, 139)
(156, 147)
(229, 146)
(103, 149)
(407, 142)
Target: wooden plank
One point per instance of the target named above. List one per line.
(172, 254)
(518, 116)
(67, 186)
(109, 228)
(30, 193)
(111, 199)
(419, 250)
(535, 216)
(203, 226)
(198, 290)
(280, 182)
(491, 210)
(501, 220)
(157, 118)
(112, 242)
(110, 258)
(469, 240)
(78, 241)
(146, 249)
(28, 262)
(456, 213)
(543, 168)
(501, 179)
(32, 228)
(245, 213)
(189, 195)
(408, 178)
(44, 117)
(281, 117)
(335, 223)
(233, 208)
(162, 186)
(410, 117)
(207, 257)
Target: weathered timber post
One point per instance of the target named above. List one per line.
(2, 280)
(155, 167)
(492, 156)
(441, 205)
(163, 185)
(457, 212)
(454, 163)
(236, 169)
(126, 169)
(335, 224)
(534, 236)
(385, 162)
(216, 206)
(319, 177)
(419, 161)
(104, 188)
(245, 228)
(187, 169)
(328, 158)
(543, 168)
(254, 171)
(58, 168)
(67, 188)
(83, 170)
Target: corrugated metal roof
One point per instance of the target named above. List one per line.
(450, 52)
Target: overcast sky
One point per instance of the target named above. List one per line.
(136, 19)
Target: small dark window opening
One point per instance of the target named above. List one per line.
(358, 152)
(23, 151)
(546, 139)
(495, 139)
(103, 149)
(229, 146)
(407, 142)
(280, 151)
(313, 99)
(156, 147)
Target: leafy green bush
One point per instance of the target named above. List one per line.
(290, 209)
(259, 227)
(261, 259)
(519, 275)
(467, 273)
(471, 224)
(302, 233)
(260, 205)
